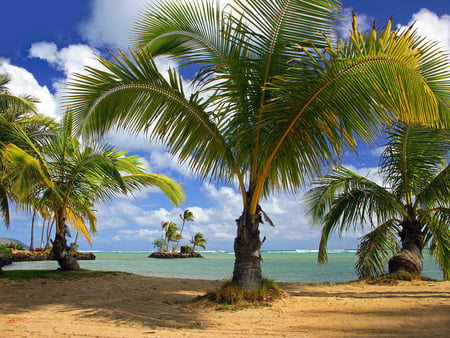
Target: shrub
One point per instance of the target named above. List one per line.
(231, 294)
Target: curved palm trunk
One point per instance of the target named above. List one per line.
(409, 259)
(61, 250)
(247, 266)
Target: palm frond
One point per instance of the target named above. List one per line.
(410, 164)
(134, 96)
(4, 204)
(351, 90)
(375, 249)
(437, 235)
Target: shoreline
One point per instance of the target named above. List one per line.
(116, 304)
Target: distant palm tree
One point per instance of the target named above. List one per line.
(172, 234)
(187, 216)
(266, 113)
(198, 240)
(414, 204)
(74, 176)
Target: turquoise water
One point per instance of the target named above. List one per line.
(281, 266)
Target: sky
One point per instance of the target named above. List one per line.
(44, 42)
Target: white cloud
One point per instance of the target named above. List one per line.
(141, 234)
(111, 22)
(71, 59)
(363, 21)
(24, 83)
(430, 25)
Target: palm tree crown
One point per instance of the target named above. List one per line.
(414, 204)
(266, 112)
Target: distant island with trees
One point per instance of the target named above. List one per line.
(169, 243)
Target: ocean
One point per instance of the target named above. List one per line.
(281, 266)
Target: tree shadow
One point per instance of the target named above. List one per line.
(118, 297)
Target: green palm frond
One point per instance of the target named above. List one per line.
(26, 172)
(9, 101)
(343, 199)
(375, 249)
(4, 204)
(437, 234)
(138, 98)
(168, 186)
(410, 164)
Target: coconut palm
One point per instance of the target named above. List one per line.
(19, 124)
(72, 177)
(411, 212)
(198, 240)
(172, 235)
(187, 216)
(266, 112)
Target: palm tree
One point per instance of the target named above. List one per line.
(172, 234)
(266, 112)
(18, 121)
(187, 216)
(414, 204)
(198, 240)
(73, 177)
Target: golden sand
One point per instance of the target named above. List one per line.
(125, 305)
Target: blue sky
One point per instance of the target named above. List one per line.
(43, 42)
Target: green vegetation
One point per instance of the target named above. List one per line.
(198, 240)
(230, 294)
(67, 178)
(170, 234)
(275, 98)
(405, 216)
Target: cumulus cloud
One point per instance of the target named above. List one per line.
(364, 23)
(111, 22)
(24, 83)
(434, 27)
(71, 59)
(132, 235)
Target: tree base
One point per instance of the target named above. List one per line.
(62, 254)
(406, 262)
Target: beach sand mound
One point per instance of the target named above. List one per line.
(126, 305)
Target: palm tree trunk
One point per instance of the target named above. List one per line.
(247, 266)
(181, 235)
(409, 259)
(42, 235)
(61, 250)
(32, 231)
(49, 232)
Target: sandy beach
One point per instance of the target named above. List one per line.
(126, 305)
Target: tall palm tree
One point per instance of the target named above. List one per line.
(18, 121)
(74, 176)
(187, 216)
(265, 112)
(414, 204)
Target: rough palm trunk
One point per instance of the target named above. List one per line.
(62, 252)
(247, 266)
(409, 259)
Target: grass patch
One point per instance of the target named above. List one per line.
(56, 274)
(395, 278)
(231, 297)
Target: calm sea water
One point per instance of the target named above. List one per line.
(281, 266)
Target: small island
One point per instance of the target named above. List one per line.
(170, 237)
